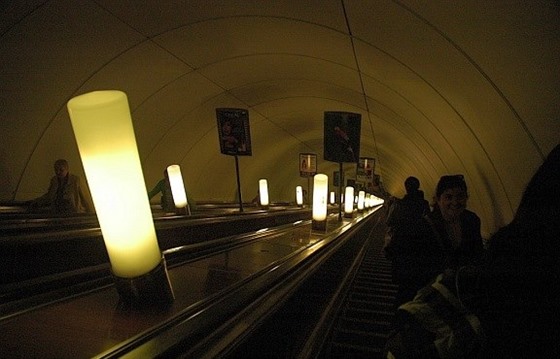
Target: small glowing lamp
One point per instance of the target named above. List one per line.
(177, 188)
(299, 196)
(105, 137)
(320, 195)
(361, 199)
(333, 197)
(377, 201)
(349, 202)
(263, 192)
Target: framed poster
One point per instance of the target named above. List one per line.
(365, 170)
(342, 136)
(307, 164)
(233, 131)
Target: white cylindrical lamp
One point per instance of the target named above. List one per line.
(361, 199)
(263, 193)
(320, 195)
(299, 196)
(105, 137)
(333, 197)
(349, 202)
(178, 188)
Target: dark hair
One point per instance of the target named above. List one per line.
(450, 181)
(541, 198)
(411, 184)
(61, 162)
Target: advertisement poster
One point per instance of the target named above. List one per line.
(342, 136)
(233, 131)
(365, 170)
(307, 164)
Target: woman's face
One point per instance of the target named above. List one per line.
(452, 203)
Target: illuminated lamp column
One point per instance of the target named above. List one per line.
(105, 137)
(361, 199)
(320, 195)
(333, 197)
(178, 189)
(263, 193)
(299, 196)
(349, 202)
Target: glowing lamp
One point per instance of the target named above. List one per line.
(320, 195)
(177, 188)
(263, 192)
(349, 202)
(361, 199)
(105, 137)
(299, 196)
(377, 201)
(333, 197)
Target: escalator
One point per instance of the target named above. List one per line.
(343, 311)
(224, 291)
(362, 324)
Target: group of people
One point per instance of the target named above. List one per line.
(66, 194)
(422, 242)
(457, 299)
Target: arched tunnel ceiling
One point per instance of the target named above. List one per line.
(442, 86)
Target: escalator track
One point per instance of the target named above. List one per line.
(364, 320)
(344, 310)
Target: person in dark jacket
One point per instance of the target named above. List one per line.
(164, 187)
(415, 254)
(457, 229)
(505, 307)
(411, 207)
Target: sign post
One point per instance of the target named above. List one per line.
(342, 132)
(235, 138)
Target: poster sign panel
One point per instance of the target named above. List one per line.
(365, 170)
(342, 136)
(233, 131)
(307, 164)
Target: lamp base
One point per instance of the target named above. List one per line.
(181, 211)
(348, 215)
(149, 290)
(319, 225)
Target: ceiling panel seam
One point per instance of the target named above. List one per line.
(358, 69)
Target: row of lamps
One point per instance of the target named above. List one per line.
(104, 133)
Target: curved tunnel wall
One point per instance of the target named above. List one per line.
(443, 87)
